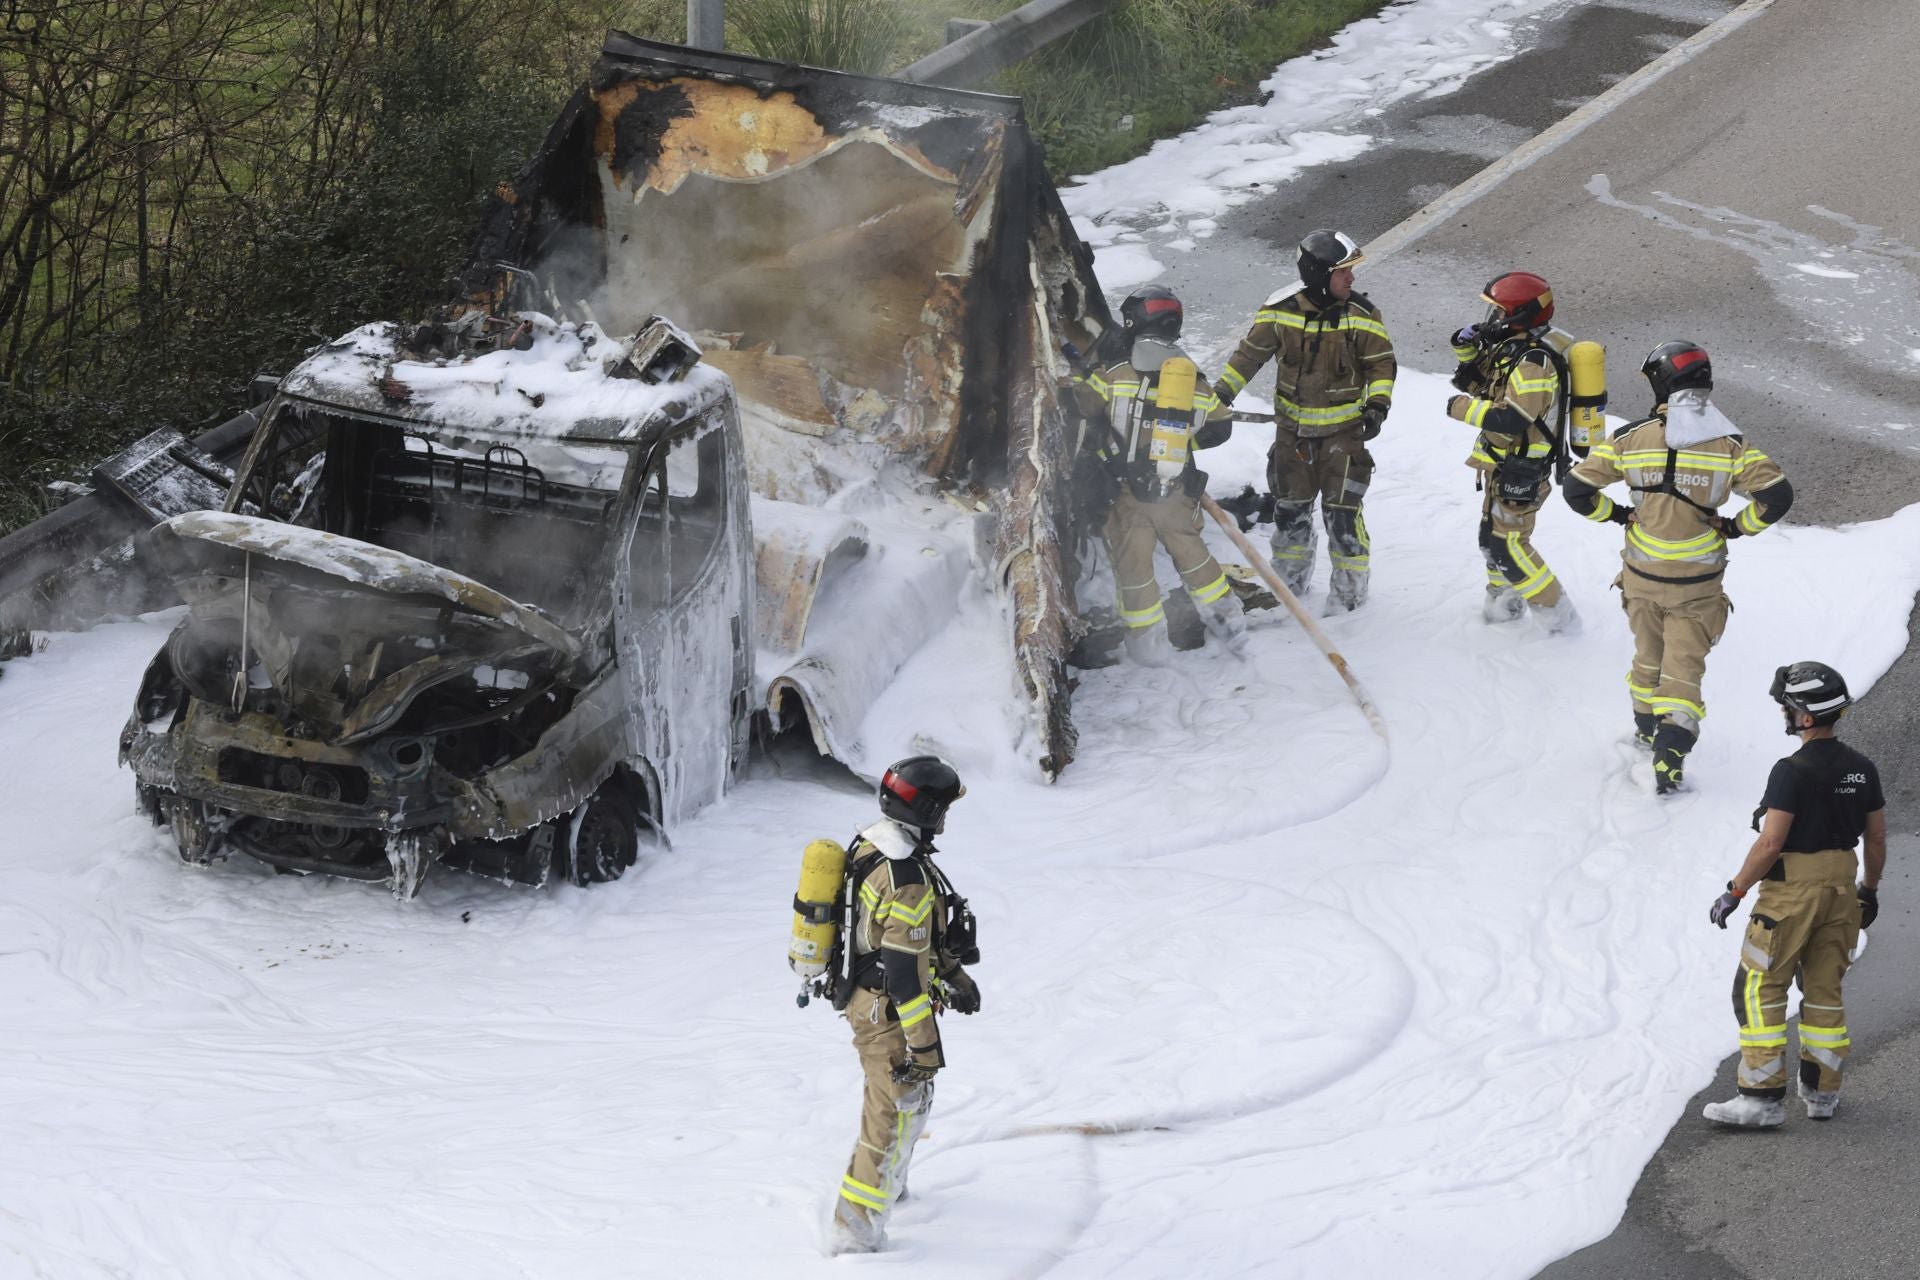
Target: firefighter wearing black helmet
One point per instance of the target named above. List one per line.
(1143, 441)
(911, 939)
(1681, 464)
(1333, 385)
(1509, 377)
(1819, 804)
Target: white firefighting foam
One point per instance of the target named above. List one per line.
(1361, 1010)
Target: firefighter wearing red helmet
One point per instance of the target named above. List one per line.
(1509, 377)
(910, 941)
(1333, 385)
(1681, 463)
(1149, 410)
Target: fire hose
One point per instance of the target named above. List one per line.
(1286, 597)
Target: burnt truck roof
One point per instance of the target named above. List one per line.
(536, 378)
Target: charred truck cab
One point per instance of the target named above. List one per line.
(481, 595)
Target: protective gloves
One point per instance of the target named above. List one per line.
(1729, 527)
(919, 1067)
(1372, 418)
(1622, 514)
(1725, 905)
(1467, 337)
(961, 993)
(1869, 905)
(1465, 378)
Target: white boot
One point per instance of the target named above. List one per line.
(853, 1231)
(1560, 619)
(1747, 1112)
(1504, 605)
(1149, 646)
(1820, 1106)
(1228, 623)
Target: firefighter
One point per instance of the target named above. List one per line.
(911, 940)
(1152, 412)
(1509, 379)
(1682, 463)
(1333, 385)
(1809, 913)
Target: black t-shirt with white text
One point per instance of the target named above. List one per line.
(1829, 788)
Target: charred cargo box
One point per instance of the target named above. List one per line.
(481, 595)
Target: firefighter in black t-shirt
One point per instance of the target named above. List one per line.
(1820, 801)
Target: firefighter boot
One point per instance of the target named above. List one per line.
(1149, 646)
(1645, 723)
(1747, 1112)
(1294, 542)
(1227, 622)
(1503, 604)
(1558, 618)
(1670, 746)
(854, 1230)
(1820, 1104)
(1350, 550)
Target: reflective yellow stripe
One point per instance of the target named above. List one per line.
(1206, 400)
(1665, 704)
(1538, 578)
(860, 1193)
(1477, 411)
(1698, 546)
(1748, 459)
(1750, 521)
(1126, 388)
(1137, 618)
(1765, 1037)
(1234, 379)
(1602, 508)
(1212, 591)
(912, 915)
(915, 1011)
(1641, 691)
(1290, 319)
(1380, 389)
(868, 895)
(1605, 452)
(1825, 1037)
(1465, 355)
(1364, 326)
(1523, 385)
(1656, 460)
(1318, 416)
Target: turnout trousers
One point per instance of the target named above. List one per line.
(892, 1117)
(1132, 531)
(1674, 626)
(1506, 544)
(1336, 469)
(1808, 922)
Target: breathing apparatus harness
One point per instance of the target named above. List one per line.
(1516, 477)
(956, 934)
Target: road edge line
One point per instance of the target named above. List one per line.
(1557, 135)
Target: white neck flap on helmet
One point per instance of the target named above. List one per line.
(1692, 419)
(895, 839)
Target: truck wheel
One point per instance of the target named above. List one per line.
(604, 839)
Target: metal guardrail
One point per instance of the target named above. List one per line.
(1002, 42)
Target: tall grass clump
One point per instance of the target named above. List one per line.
(845, 35)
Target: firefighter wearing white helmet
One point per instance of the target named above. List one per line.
(1151, 412)
(911, 937)
(1819, 804)
(1681, 464)
(1333, 385)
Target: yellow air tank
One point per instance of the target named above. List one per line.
(816, 912)
(1587, 399)
(1173, 416)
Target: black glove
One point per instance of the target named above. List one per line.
(1622, 514)
(1725, 905)
(919, 1067)
(1729, 527)
(1372, 418)
(962, 993)
(1466, 378)
(1869, 905)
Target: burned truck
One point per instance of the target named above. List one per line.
(481, 595)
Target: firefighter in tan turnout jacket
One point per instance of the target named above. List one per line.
(1155, 412)
(1681, 464)
(911, 938)
(1333, 385)
(1510, 384)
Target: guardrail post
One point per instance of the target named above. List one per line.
(707, 24)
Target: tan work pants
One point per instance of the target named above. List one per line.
(892, 1116)
(1674, 626)
(1506, 543)
(1809, 922)
(1336, 469)
(1132, 531)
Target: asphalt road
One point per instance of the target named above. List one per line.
(1763, 198)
